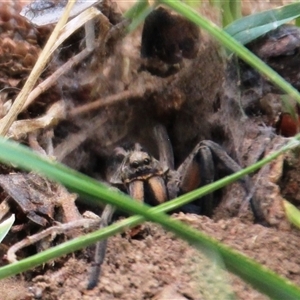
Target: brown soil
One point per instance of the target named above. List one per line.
(161, 267)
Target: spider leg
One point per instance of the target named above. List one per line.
(166, 156)
(198, 170)
(166, 159)
(100, 250)
(220, 156)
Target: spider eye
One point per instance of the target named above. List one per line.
(134, 164)
(146, 161)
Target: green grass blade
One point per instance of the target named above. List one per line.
(5, 226)
(249, 35)
(227, 16)
(137, 13)
(231, 10)
(251, 27)
(292, 213)
(236, 9)
(136, 9)
(229, 42)
(86, 186)
(261, 278)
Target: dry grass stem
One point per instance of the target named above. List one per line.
(53, 232)
(51, 80)
(113, 99)
(7, 121)
(85, 17)
(54, 114)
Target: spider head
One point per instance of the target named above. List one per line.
(139, 165)
(141, 175)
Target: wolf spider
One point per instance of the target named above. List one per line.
(154, 181)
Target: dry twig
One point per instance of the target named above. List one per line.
(53, 232)
(51, 80)
(54, 114)
(113, 99)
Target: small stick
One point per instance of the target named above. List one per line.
(51, 80)
(90, 34)
(100, 248)
(110, 100)
(53, 231)
(137, 93)
(34, 144)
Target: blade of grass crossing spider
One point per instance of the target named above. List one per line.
(209, 272)
(261, 278)
(11, 152)
(258, 276)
